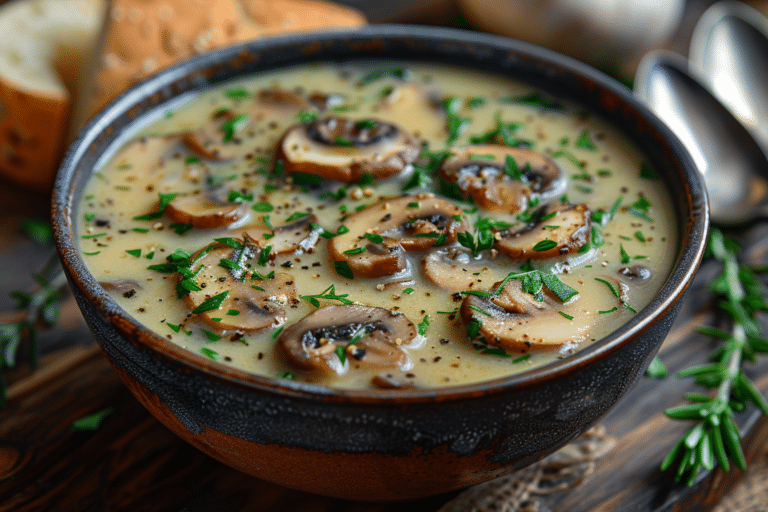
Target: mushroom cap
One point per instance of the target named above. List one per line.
(453, 269)
(310, 343)
(296, 236)
(566, 227)
(344, 149)
(485, 179)
(515, 321)
(258, 302)
(402, 227)
(206, 210)
(219, 138)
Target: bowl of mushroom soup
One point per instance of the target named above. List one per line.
(346, 251)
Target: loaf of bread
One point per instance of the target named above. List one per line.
(42, 54)
(47, 45)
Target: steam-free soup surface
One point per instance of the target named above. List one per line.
(146, 216)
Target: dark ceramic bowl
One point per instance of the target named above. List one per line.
(381, 444)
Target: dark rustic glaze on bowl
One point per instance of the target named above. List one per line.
(381, 444)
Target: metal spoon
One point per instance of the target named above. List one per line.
(729, 49)
(734, 166)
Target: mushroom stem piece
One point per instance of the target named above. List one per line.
(258, 303)
(207, 210)
(370, 337)
(343, 149)
(515, 321)
(406, 223)
(483, 172)
(557, 230)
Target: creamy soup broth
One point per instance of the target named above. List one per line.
(443, 107)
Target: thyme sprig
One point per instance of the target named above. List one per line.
(715, 437)
(39, 308)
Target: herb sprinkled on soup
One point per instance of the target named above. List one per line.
(395, 226)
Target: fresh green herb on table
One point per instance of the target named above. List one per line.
(41, 307)
(715, 437)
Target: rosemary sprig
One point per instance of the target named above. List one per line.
(715, 437)
(40, 308)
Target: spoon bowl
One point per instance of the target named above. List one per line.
(729, 49)
(734, 166)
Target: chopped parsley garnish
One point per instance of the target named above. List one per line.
(235, 196)
(164, 200)
(232, 126)
(408, 291)
(536, 99)
(264, 256)
(647, 172)
(306, 116)
(378, 74)
(212, 336)
(342, 268)
(456, 125)
(237, 94)
(207, 352)
(374, 237)
(624, 255)
(296, 216)
(568, 156)
(522, 358)
(639, 235)
(140, 230)
(211, 303)
(544, 245)
(180, 227)
(532, 282)
(356, 250)
(230, 242)
(327, 294)
(583, 141)
(423, 326)
(503, 133)
(191, 160)
(134, 252)
(566, 315)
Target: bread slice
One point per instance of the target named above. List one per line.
(42, 51)
(143, 37)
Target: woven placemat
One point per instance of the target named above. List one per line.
(751, 494)
(525, 490)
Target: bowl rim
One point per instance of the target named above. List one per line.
(689, 255)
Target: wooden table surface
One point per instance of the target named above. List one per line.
(132, 462)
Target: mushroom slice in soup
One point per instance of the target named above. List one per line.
(296, 236)
(557, 230)
(516, 321)
(345, 149)
(418, 109)
(221, 137)
(379, 234)
(282, 98)
(208, 209)
(454, 269)
(370, 337)
(501, 178)
(243, 301)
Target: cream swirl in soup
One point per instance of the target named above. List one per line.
(379, 225)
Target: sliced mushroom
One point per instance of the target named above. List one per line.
(637, 274)
(389, 382)
(125, 287)
(294, 237)
(454, 269)
(220, 138)
(420, 113)
(480, 172)
(282, 98)
(557, 230)
(515, 321)
(379, 336)
(344, 149)
(405, 223)
(251, 304)
(208, 209)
